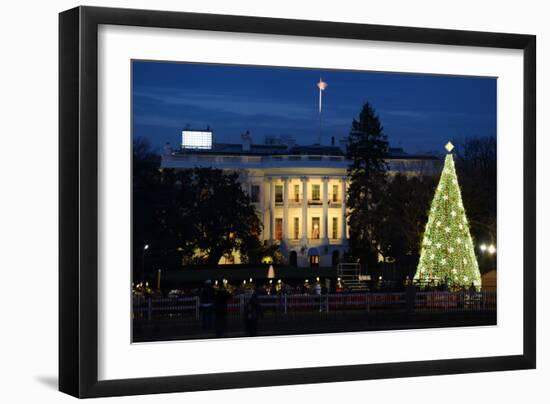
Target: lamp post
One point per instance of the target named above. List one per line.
(490, 249)
(488, 256)
(145, 248)
(158, 279)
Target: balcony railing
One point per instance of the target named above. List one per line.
(312, 202)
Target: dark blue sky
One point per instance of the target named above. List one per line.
(419, 112)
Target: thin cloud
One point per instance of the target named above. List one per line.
(403, 113)
(237, 104)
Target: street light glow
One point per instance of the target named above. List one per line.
(146, 247)
(483, 247)
(491, 249)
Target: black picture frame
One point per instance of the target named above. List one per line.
(78, 201)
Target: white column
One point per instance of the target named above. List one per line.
(265, 207)
(343, 221)
(285, 208)
(271, 210)
(304, 209)
(324, 234)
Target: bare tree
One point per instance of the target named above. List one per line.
(476, 162)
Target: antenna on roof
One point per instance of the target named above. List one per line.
(322, 86)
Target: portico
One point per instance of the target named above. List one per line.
(305, 211)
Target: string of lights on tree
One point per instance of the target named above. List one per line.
(447, 251)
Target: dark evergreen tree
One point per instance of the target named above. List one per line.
(404, 208)
(367, 149)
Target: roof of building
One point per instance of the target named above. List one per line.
(317, 150)
(236, 149)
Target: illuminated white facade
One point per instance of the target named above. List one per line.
(299, 192)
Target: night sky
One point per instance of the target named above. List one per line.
(419, 112)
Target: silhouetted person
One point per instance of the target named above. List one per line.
(472, 295)
(472, 289)
(207, 305)
(410, 296)
(252, 312)
(221, 298)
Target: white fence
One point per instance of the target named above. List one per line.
(189, 307)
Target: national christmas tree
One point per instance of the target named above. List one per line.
(447, 252)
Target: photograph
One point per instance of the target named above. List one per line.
(273, 200)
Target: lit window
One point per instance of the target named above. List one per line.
(278, 229)
(278, 193)
(316, 192)
(314, 260)
(315, 230)
(255, 193)
(334, 227)
(296, 193)
(296, 228)
(335, 193)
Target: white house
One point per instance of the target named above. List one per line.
(299, 191)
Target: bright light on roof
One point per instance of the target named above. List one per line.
(194, 139)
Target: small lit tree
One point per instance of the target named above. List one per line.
(447, 251)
